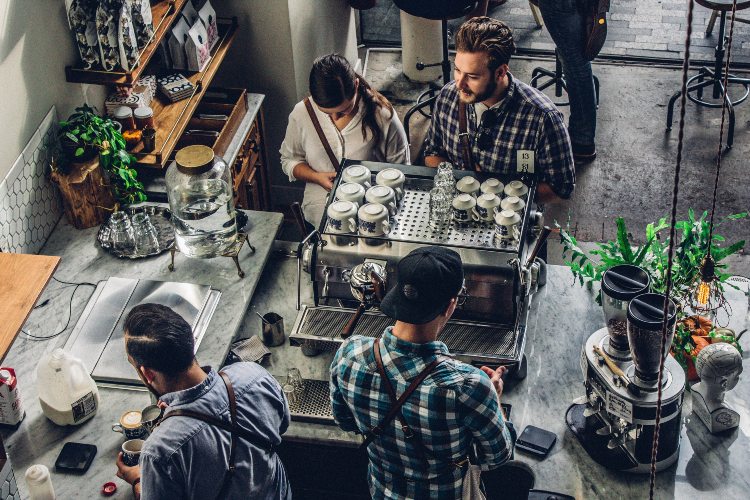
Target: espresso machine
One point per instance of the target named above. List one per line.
(350, 273)
(616, 419)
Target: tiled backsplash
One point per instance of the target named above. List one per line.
(29, 202)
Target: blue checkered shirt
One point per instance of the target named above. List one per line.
(454, 406)
(527, 120)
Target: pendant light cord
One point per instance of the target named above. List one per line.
(670, 261)
(724, 106)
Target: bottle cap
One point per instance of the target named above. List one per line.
(5, 374)
(121, 112)
(109, 489)
(195, 159)
(143, 112)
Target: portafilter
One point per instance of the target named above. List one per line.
(367, 284)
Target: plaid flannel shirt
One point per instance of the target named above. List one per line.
(454, 406)
(527, 120)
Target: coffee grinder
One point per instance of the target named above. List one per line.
(615, 421)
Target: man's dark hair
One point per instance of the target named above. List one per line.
(158, 338)
(484, 34)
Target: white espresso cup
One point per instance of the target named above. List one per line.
(516, 188)
(394, 179)
(342, 217)
(507, 226)
(513, 203)
(373, 220)
(468, 185)
(464, 208)
(487, 205)
(351, 191)
(358, 174)
(493, 186)
(383, 195)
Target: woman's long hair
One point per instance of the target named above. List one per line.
(332, 81)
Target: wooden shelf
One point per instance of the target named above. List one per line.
(164, 12)
(170, 119)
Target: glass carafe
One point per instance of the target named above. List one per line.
(199, 188)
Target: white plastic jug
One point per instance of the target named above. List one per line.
(67, 393)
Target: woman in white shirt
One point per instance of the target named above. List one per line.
(356, 120)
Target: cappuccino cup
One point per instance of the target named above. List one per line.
(131, 452)
(131, 425)
(359, 174)
(513, 203)
(351, 191)
(492, 186)
(342, 217)
(507, 227)
(373, 220)
(394, 179)
(487, 205)
(516, 188)
(468, 185)
(464, 209)
(383, 195)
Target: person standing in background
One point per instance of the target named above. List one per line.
(566, 23)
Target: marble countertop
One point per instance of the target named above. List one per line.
(38, 440)
(563, 316)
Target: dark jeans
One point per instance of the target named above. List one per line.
(566, 26)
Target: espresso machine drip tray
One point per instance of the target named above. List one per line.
(97, 338)
(319, 328)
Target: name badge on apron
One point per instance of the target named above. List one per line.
(525, 161)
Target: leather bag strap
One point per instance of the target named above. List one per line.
(321, 135)
(397, 403)
(463, 137)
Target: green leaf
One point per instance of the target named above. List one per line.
(622, 239)
(71, 137)
(79, 152)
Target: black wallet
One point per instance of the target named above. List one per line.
(75, 457)
(535, 440)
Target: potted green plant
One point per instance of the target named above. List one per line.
(652, 256)
(84, 135)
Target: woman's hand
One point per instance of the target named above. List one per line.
(325, 179)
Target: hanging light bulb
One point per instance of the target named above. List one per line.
(707, 281)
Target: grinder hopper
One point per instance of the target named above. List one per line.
(645, 318)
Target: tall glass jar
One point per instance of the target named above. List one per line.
(199, 188)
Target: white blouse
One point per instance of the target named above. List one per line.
(302, 145)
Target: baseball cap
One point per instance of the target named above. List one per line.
(428, 278)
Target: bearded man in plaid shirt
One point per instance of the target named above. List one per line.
(454, 407)
(510, 126)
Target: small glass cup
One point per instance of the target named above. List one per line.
(144, 235)
(444, 178)
(123, 239)
(294, 378)
(440, 208)
(292, 396)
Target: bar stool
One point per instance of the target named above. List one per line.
(557, 78)
(714, 77)
(443, 11)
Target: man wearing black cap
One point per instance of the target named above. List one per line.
(418, 450)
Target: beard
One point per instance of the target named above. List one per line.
(469, 97)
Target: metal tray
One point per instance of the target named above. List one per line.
(161, 218)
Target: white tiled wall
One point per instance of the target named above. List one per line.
(29, 202)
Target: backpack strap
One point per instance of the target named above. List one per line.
(321, 135)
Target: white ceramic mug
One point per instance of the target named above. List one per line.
(464, 208)
(468, 185)
(373, 220)
(358, 174)
(351, 191)
(342, 217)
(394, 179)
(507, 226)
(516, 188)
(513, 203)
(383, 195)
(493, 186)
(487, 205)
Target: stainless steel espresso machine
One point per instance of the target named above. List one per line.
(615, 420)
(350, 273)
